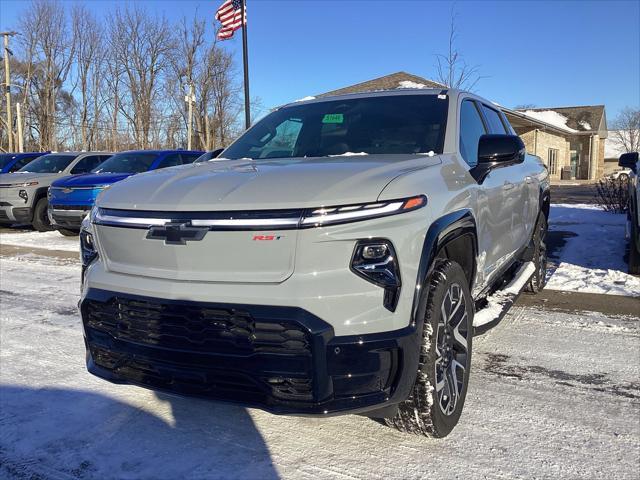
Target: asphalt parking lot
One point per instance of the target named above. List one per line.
(554, 391)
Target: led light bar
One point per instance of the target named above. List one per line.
(332, 215)
(259, 219)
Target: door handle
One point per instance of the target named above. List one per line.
(528, 179)
(507, 185)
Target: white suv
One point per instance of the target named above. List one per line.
(331, 262)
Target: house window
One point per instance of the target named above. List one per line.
(553, 161)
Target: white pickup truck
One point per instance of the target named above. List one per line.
(330, 261)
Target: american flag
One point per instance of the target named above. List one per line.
(230, 16)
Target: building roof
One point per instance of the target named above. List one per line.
(387, 82)
(588, 118)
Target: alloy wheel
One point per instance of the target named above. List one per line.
(451, 349)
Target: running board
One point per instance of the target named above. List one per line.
(499, 302)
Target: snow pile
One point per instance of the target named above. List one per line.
(592, 259)
(584, 124)
(497, 301)
(550, 117)
(410, 84)
(44, 240)
(304, 99)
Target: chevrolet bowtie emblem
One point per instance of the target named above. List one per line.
(177, 233)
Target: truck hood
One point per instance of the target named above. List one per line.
(90, 180)
(263, 184)
(44, 179)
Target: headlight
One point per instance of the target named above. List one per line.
(26, 184)
(375, 260)
(24, 195)
(351, 213)
(88, 252)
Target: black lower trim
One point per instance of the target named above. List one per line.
(23, 214)
(281, 359)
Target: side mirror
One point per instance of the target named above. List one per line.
(216, 153)
(500, 149)
(629, 160)
(495, 151)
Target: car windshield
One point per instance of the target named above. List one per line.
(52, 163)
(5, 159)
(394, 124)
(127, 162)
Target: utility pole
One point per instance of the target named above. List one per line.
(190, 99)
(19, 120)
(7, 85)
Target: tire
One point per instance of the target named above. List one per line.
(40, 220)
(69, 233)
(634, 254)
(539, 277)
(445, 355)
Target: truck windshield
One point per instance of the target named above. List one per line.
(52, 163)
(394, 124)
(127, 162)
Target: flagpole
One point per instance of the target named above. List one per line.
(245, 60)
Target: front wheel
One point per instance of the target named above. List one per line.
(68, 232)
(40, 217)
(435, 403)
(539, 277)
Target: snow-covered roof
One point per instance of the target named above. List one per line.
(551, 117)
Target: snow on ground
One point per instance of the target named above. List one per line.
(592, 259)
(552, 395)
(47, 240)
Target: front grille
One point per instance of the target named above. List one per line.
(5, 204)
(195, 328)
(70, 207)
(3, 215)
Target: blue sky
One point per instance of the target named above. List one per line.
(547, 53)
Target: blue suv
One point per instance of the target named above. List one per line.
(12, 162)
(71, 198)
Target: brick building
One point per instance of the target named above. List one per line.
(570, 138)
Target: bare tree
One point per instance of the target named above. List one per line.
(89, 55)
(141, 44)
(626, 129)
(50, 48)
(451, 68)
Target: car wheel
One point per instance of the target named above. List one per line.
(634, 254)
(539, 277)
(437, 398)
(40, 218)
(69, 233)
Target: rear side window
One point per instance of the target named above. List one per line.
(88, 163)
(494, 121)
(471, 129)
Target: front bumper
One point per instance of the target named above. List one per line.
(14, 214)
(282, 359)
(68, 216)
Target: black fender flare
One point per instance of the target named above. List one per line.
(443, 230)
(38, 194)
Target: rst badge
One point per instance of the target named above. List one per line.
(266, 238)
